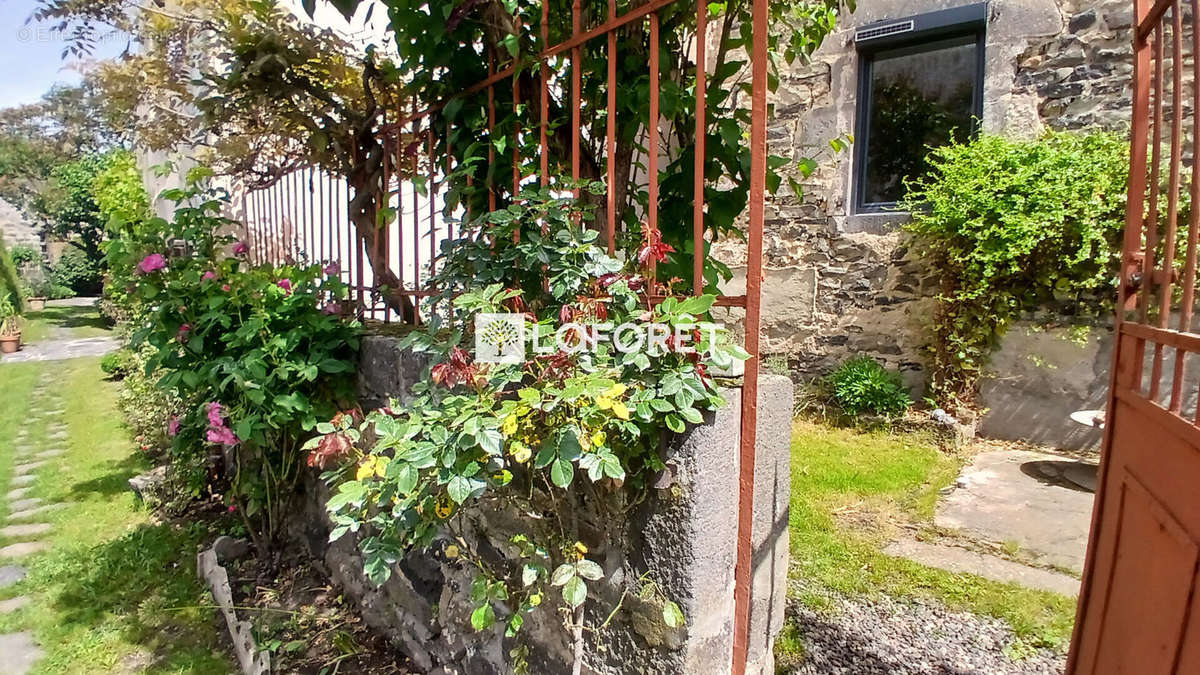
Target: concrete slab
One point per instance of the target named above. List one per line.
(22, 505)
(960, 560)
(18, 653)
(22, 469)
(18, 493)
(11, 574)
(25, 529)
(22, 481)
(33, 511)
(23, 549)
(1020, 497)
(13, 604)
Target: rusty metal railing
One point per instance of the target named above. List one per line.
(416, 222)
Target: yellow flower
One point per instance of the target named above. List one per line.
(581, 548)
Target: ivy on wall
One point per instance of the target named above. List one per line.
(1012, 226)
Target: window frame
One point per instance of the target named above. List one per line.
(930, 32)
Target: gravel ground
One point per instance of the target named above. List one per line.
(884, 636)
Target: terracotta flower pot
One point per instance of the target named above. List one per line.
(37, 304)
(10, 343)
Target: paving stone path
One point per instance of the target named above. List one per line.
(19, 536)
(61, 345)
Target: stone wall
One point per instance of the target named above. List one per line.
(840, 284)
(16, 229)
(682, 537)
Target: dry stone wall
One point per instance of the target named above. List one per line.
(838, 284)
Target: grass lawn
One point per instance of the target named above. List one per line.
(79, 322)
(117, 591)
(851, 490)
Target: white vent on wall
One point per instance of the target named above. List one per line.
(883, 31)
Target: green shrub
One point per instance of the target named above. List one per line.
(1013, 226)
(145, 407)
(77, 272)
(118, 364)
(22, 255)
(10, 283)
(862, 385)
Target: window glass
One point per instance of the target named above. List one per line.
(919, 97)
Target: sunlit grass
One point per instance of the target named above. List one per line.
(77, 321)
(851, 488)
(117, 590)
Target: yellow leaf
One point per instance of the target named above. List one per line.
(451, 551)
(604, 403)
(520, 452)
(444, 507)
(510, 426)
(620, 410)
(381, 464)
(581, 548)
(366, 468)
(617, 390)
(598, 438)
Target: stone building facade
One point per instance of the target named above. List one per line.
(841, 281)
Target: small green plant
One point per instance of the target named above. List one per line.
(10, 283)
(118, 364)
(76, 271)
(861, 385)
(22, 255)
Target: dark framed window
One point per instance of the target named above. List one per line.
(920, 86)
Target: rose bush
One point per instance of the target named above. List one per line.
(251, 353)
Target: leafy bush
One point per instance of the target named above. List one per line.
(118, 364)
(10, 283)
(124, 206)
(22, 255)
(1012, 226)
(146, 407)
(255, 355)
(861, 385)
(77, 272)
(542, 436)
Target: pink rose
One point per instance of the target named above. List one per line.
(221, 436)
(173, 426)
(184, 331)
(285, 284)
(152, 263)
(241, 248)
(225, 287)
(332, 269)
(208, 276)
(215, 416)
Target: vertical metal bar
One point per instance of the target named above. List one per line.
(701, 131)
(576, 92)
(749, 426)
(516, 137)
(610, 134)
(432, 194)
(543, 141)
(249, 238)
(1168, 258)
(277, 223)
(311, 246)
(323, 224)
(335, 217)
(1193, 235)
(416, 220)
(491, 188)
(652, 148)
(1150, 226)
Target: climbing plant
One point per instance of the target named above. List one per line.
(1011, 226)
(544, 435)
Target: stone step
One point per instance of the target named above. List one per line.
(20, 653)
(11, 574)
(23, 504)
(22, 549)
(25, 529)
(13, 604)
(50, 454)
(22, 481)
(960, 560)
(18, 493)
(30, 467)
(33, 511)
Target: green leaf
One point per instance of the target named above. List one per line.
(460, 489)
(672, 615)
(562, 472)
(574, 592)
(589, 570)
(483, 617)
(562, 574)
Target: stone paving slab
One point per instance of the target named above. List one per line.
(1014, 496)
(33, 511)
(960, 560)
(23, 548)
(58, 350)
(18, 653)
(50, 454)
(25, 529)
(11, 574)
(21, 481)
(13, 604)
(28, 468)
(18, 493)
(23, 504)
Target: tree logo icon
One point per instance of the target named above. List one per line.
(500, 338)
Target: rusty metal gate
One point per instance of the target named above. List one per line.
(1138, 610)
